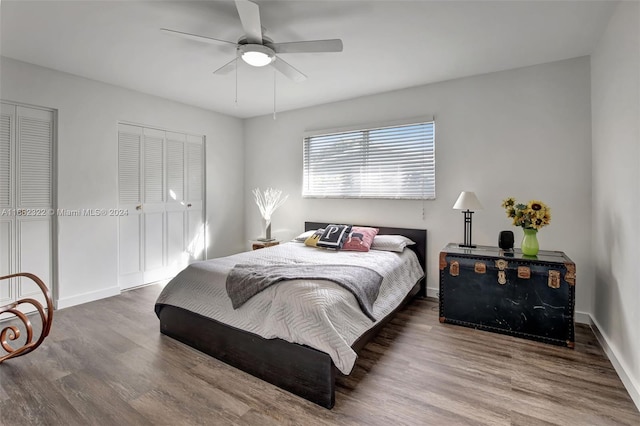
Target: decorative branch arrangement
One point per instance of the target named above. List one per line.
(268, 201)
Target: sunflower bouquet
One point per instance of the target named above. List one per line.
(533, 215)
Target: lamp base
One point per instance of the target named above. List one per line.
(467, 230)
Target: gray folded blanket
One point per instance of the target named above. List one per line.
(245, 281)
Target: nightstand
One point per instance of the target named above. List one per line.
(257, 244)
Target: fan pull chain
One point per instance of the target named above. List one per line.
(274, 94)
(236, 80)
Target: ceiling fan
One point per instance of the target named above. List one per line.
(257, 50)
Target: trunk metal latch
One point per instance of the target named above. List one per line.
(501, 264)
(524, 272)
(554, 279)
(454, 268)
(480, 268)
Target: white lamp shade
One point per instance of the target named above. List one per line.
(467, 201)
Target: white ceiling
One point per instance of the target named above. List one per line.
(387, 44)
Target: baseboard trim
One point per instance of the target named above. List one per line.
(632, 386)
(583, 318)
(433, 292)
(79, 299)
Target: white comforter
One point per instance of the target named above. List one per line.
(319, 314)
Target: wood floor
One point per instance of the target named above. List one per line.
(105, 363)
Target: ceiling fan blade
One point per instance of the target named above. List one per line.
(227, 68)
(195, 37)
(250, 17)
(288, 70)
(333, 45)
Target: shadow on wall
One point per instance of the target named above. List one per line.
(609, 271)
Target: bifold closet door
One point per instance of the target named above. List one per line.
(34, 197)
(176, 205)
(161, 178)
(26, 198)
(130, 260)
(7, 184)
(184, 207)
(195, 248)
(153, 205)
(7, 293)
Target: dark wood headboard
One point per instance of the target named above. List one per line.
(417, 235)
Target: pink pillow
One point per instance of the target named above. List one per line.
(360, 239)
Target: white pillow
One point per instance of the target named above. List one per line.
(391, 242)
(302, 237)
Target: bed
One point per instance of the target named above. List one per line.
(188, 314)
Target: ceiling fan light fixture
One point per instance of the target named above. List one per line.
(257, 55)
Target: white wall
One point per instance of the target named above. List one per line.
(524, 133)
(88, 114)
(615, 86)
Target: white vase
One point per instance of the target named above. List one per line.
(267, 230)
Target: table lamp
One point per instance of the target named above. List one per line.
(467, 202)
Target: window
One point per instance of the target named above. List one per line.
(387, 162)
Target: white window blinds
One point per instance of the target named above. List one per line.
(388, 162)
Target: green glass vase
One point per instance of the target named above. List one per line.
(530, 242)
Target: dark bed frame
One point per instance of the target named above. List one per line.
(299, 369)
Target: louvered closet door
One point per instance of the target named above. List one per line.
(34, 135)
(195, 198)
(26, 199)
(130, 260)
(176, 217)
(153, 204)
(162, 175)
(7, 206)
(185, 206)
